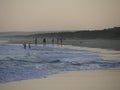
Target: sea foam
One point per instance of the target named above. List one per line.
(17, 63)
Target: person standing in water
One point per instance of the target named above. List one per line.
(53, 41)
(61, 41)
(29, 46)
(44, 42)
(57, 41)
(24, 45)
(35, 41)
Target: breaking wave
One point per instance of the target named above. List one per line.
(16, 63)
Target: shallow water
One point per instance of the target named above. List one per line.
(3, 41)
(17, 63)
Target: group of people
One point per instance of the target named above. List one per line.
(58, 41)
(44, 41)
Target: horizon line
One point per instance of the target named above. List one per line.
(61, 30)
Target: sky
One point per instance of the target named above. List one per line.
(57, 15)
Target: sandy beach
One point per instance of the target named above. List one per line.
(74, 80)
(80, 80)
(59, 45)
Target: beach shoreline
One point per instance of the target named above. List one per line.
(90, 43)
(72, 80)
(107, 79)
(107, 48)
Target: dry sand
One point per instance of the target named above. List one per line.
(81, 80)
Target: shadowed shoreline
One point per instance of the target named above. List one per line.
(92, 43)
(105, 39)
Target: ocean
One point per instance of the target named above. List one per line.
(17, 63)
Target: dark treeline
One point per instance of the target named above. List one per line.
(112, 33)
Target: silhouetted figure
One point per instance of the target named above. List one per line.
(29, 46)
(35, 41)
(24, 45)
(61, 41)
(53, 41)
(44, 41)
(57, 41)
(80, 42)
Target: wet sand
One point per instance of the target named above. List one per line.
(77, 80)
(109, 54)
(92, 43)
(80, 80)
(95, 43)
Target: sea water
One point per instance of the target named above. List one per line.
(17, 63)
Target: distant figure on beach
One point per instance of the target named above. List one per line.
(61, 41)
(44, 41)
(29, 46)
(53, 41)
(24, 45)
(57, 41)
(35, 41)
(80, 42)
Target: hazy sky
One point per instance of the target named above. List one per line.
(46, 15)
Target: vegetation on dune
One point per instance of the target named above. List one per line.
(112, 33)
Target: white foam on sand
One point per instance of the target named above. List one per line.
(17, 63)
(105, 53)
(3, 41)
